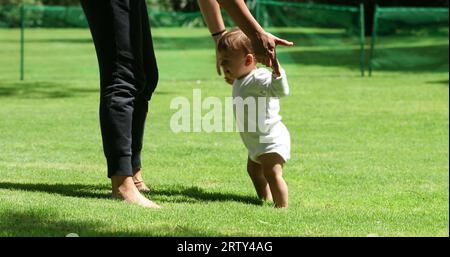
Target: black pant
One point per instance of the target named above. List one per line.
(128, 74)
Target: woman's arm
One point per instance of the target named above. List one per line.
(213, 18)
(211, 12)
(264, 44)
(239, 12)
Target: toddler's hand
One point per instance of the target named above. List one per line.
(276, 68)
(276, 65)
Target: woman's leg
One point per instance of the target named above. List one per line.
(259, 180)
(111, 24)
(272, 166)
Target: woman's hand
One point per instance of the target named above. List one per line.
(264, 45)
(218, 61)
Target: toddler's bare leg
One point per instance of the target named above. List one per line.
(272, 166)
(259, 180)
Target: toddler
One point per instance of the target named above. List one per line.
(261, 129)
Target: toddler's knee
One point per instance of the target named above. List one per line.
(272, 173)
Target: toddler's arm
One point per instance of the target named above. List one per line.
(279, 86)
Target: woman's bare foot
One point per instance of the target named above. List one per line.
(125, 189)
(139, 182)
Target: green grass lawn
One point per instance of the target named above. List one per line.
(369, 155)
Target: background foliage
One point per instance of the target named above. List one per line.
(191, 5)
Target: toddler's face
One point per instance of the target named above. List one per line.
(233, 65)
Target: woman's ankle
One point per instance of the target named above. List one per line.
(122, 184)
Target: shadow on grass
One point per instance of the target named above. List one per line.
(42, 90)
(41, 223)
(412, 59)
(160, 43)
(440, 82)
(175, 193)
(338, 50)
(50, 40)
(50, 90)
(419, 59)
(348, 58)
(46, 223)
(343, 50)
(72, 190)
(178, 193)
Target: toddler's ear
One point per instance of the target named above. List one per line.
(249, 59)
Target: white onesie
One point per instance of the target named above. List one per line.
(260, 126)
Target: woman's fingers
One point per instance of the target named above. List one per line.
(273, 55)
(279, 41)
(265, 50)
(218, 66)
(219, 69)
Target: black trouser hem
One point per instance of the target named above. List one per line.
(119, 166)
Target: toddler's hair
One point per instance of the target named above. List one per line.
(235, 40)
